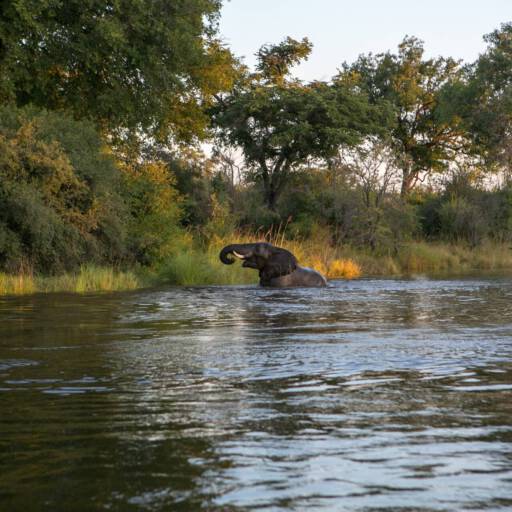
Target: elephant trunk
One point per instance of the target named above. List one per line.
(241, 251)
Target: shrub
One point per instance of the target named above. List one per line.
(463, 220)
(154, 212)
(343, 268)
(59, 204)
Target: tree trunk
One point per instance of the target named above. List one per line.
(408, 179)
(271, 199)
(272, 190)
(273, 182)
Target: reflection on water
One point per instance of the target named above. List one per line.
(368, 395)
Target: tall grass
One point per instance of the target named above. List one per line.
(90, 278)
(16, 284)
(203, 267)
(200, 265)
(424, 258)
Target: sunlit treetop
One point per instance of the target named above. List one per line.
(275, 61)
(279, 123)
(426, 134)
(125, 64)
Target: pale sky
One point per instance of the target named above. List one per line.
(340, 30)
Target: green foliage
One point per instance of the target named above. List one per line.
(154, 207)
(59, 198)
(467, 212)
(502, 214)
(251, 212)
(280, 126)
(221, 223)
(148, 66)
(426, 135)
(64, 201)
(302, 204)
(462, 220)
(275, 61)
(193, 178)
(486, 101)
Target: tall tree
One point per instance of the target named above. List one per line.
(149, 66)
(425, 135)
(487, 99)
(280, 123)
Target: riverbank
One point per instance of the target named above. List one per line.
(198, 266)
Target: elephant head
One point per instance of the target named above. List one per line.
(271, 261)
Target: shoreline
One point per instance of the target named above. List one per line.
(198, 267)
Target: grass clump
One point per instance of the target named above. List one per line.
(16, 284)
(197, 267)
(421, 257)
(343, 268)
(90, 278)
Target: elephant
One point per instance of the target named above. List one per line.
(277, 267)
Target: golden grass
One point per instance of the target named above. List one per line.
(421, 257)
(350, 263)
(343, 268)
(315, 253)
(16, 284)
(90, 278)
(200, 265)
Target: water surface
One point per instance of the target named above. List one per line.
(370, 395)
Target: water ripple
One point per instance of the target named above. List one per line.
(369, 395)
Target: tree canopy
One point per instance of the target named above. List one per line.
(276, 60)
(425, 135)
(280, 124)
(487, 99)
(125, 64)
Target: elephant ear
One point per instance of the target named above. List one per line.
(280, 263)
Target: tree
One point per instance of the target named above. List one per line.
(60, 194)
(487, 98)
(154, 211)
(426, 133)
(373, 169)
(149, 66)
(279, 124)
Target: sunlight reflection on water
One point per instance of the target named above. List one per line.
(368, 395)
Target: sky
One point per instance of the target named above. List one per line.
(340, 30)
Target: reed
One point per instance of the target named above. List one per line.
(90, 278)
(200, 265)
(16, 284)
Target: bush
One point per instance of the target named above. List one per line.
(154, 231)
(463, 220)
(59, 198)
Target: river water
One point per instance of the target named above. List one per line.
(370, 395)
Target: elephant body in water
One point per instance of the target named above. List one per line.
(277, 267)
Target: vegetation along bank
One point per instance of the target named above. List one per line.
(398, 164)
